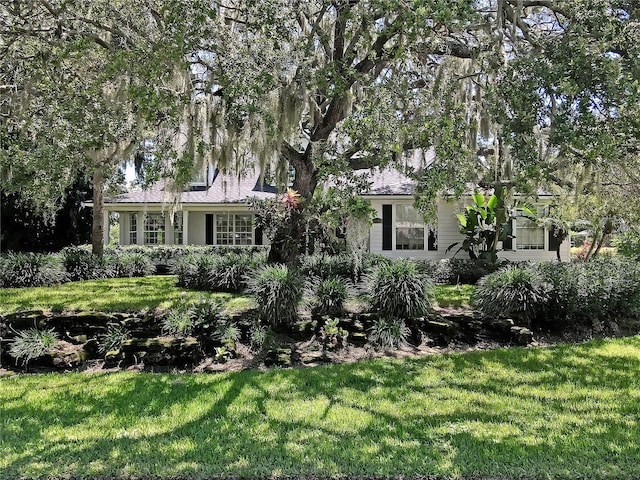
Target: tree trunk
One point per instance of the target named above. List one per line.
(97, 232)
(289, 241)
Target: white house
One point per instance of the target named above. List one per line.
(215, 212)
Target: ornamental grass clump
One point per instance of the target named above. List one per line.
(276, 290)
(512, 292)
(388, 333)
(18, 270)
(31, 344)
(399, 290)
(327, 297)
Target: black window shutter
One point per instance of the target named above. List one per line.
(258, 236)
(209, 229)
(507, 244)
(553, 242)
(387, 227)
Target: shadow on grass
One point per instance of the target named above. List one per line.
(565, 412)
(112, 295)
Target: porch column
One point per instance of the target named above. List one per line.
(105, 227)
(185, 227)
(139, 228)
(168, 229)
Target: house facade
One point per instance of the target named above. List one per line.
(215, 212)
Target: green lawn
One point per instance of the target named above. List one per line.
(458, 296)
(113, 295)
(563, 412)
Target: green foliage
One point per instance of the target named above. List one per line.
(399, 290)
(113, 339)
(19, 270)
(514, 291)
(388, 332)
(219, 273)
(83, 265)
(131, 265)
(31, 344)
(484, 223)
(455, 271)
(178, 322)
(259, 337)
(228, 334)
(276, 290)
(327, 297)
(332, 335)
(328, 266)
(628, 244)
(603, 289)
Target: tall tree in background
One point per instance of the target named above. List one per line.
(522, 93)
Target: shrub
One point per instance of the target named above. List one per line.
(31, 344)
(113, 339)
(628, 244)
(131, 265)
(398, 289)
(229, 272)
(83, 265)
(388, 332)
(453, 271)
(259, 337)
(19, 270)
(205, 312)
(194, 271)
(514, 291)
(327, 297)
(276, 291)
(327, 266)
(228, 334)
(178, 322)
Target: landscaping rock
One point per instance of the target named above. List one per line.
(281, 357)
(161, 351)
(521, 335)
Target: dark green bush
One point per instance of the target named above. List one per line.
(19, 270)
(453, 271)
(276, 290)
(512, 292)
(131, 265)
(628, 244)
(398, 289)
(83, 265)
(326, 266)
(327, 297)
(387, 332)
(231, 270)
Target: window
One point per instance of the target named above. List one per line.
(529, 235)
(409, 228)
(154, 229)
(234, 229)
(133, 228)
(177, 228)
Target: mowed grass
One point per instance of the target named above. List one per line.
(562, 412)
(458, 296)
(110, 295)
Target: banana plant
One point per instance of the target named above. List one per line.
(485, 223)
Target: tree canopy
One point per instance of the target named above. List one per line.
(527, 94)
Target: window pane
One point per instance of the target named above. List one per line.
(406, 216)
(529, 236)
(177, 228)
(409, 238)
(224, 229)
(133, 228)
(154, 229)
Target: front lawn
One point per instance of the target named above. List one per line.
(148, 293)
(111, 295)
(562, 412)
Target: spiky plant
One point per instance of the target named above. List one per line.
(276, 291)
(31, 344)
(399, 290)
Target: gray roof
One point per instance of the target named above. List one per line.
(224, 189)
(231, 189)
